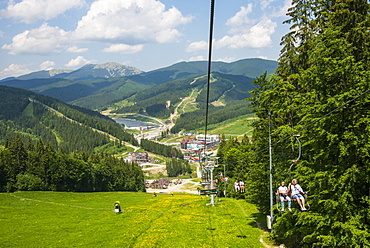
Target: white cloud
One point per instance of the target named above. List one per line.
(226, 59)
(47, 65)
(42, 40)
(78, 62)
(197, 58)
(123, 48)
(197, 46)
(130, 22)
(241, 18)
(244, 32)
(14, 70)
(29, 11)
(257, 36)
(240, 22)
(75, 49)
(266, 3)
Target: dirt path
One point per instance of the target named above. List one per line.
(184, 102)
(186, 186)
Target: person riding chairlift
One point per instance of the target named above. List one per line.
(297, 193)
(283, 194)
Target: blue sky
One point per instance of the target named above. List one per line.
(147, 34)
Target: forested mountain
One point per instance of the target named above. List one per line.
(321, 92)
(65, 127)
(92, 93)
(246, 67)
(88, 87)
(227, 94)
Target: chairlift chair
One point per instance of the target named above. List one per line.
(294, 162)
(278, 204)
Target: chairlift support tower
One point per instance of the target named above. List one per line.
(210, 190)
(211, 168)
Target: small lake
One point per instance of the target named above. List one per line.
(134, 123)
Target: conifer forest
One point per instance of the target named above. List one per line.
(319, 97)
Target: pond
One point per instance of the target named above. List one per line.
(131, 123)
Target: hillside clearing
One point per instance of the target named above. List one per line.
(59, 219)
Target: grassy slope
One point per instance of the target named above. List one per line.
(233, 127)
(57, 219)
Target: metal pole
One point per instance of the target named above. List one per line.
(271, 193)
(212, 195)
(225, 180)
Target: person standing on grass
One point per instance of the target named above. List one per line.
(117, 207)
(283, 194)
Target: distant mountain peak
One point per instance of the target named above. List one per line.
(89, 71)
(110, 65)
(54, 72)
(116, 69)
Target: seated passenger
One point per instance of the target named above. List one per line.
(297, 193)
(283, 194)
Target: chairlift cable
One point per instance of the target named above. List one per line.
(204, 168)
(209, 69)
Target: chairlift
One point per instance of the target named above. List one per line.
(278, 204)
(208, 185)
(294, 162)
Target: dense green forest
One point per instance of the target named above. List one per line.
(321, 92)
(65, 127)
(177, 167)
(33, 165)
(164, 150)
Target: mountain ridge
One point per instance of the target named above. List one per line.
(94, 87)
(115, 69)
(89, 71)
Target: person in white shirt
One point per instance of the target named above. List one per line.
(242, 186)
(236, 185)
(283, 194)
(297, 193)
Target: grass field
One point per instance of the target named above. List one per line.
(60, 219)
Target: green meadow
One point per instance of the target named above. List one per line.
(61, 219)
